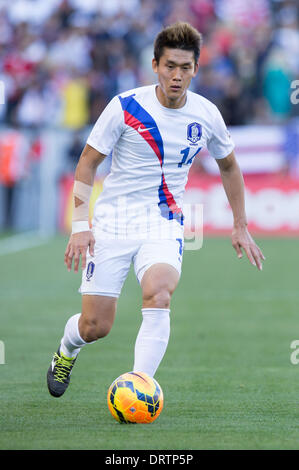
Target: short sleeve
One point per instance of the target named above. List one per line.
(108, 128)
(220, 144)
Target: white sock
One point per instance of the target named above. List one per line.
(152, 340)
(71, 342)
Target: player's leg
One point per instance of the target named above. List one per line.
(158, 284)
(158, 281)
(102, 281)
(97, 318)
(95, 321)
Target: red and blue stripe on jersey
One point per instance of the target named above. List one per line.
(138, 118)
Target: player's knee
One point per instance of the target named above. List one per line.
(91, 329)
(157, 299)
(103, 329)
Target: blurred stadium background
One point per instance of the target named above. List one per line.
(61, 61)
(227, 376)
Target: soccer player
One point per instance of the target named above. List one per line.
(154, 132)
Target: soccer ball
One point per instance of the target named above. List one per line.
(134, 397)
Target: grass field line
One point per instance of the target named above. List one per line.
(22, 241)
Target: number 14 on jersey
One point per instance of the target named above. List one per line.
(187, 160)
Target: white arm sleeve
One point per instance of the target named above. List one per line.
(108, 128)
(220, 144)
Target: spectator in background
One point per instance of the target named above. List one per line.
(277, 85)
(32, 106)
(98, 48)
(13, 168)
(75, 99)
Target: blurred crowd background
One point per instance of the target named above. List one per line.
(61, 61)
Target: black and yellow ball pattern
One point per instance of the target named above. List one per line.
(134, 397)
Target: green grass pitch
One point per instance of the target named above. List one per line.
(227, 377)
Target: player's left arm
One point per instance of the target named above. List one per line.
(233, 184)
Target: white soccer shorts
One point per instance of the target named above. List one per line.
(107, 270)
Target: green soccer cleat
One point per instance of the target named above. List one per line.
(58, 377)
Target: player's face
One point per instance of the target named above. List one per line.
(175, 70)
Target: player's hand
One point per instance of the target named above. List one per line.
(76, 247)
(242, 240)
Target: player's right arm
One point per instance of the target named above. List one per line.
(101, 141)
(81, 237)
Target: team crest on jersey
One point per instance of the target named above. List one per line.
(90, 270)
(194, 132)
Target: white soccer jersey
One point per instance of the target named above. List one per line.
(153, 148)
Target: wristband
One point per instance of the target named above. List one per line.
(81, 197)
(80, 226)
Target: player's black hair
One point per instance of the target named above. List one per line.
(179, 35)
